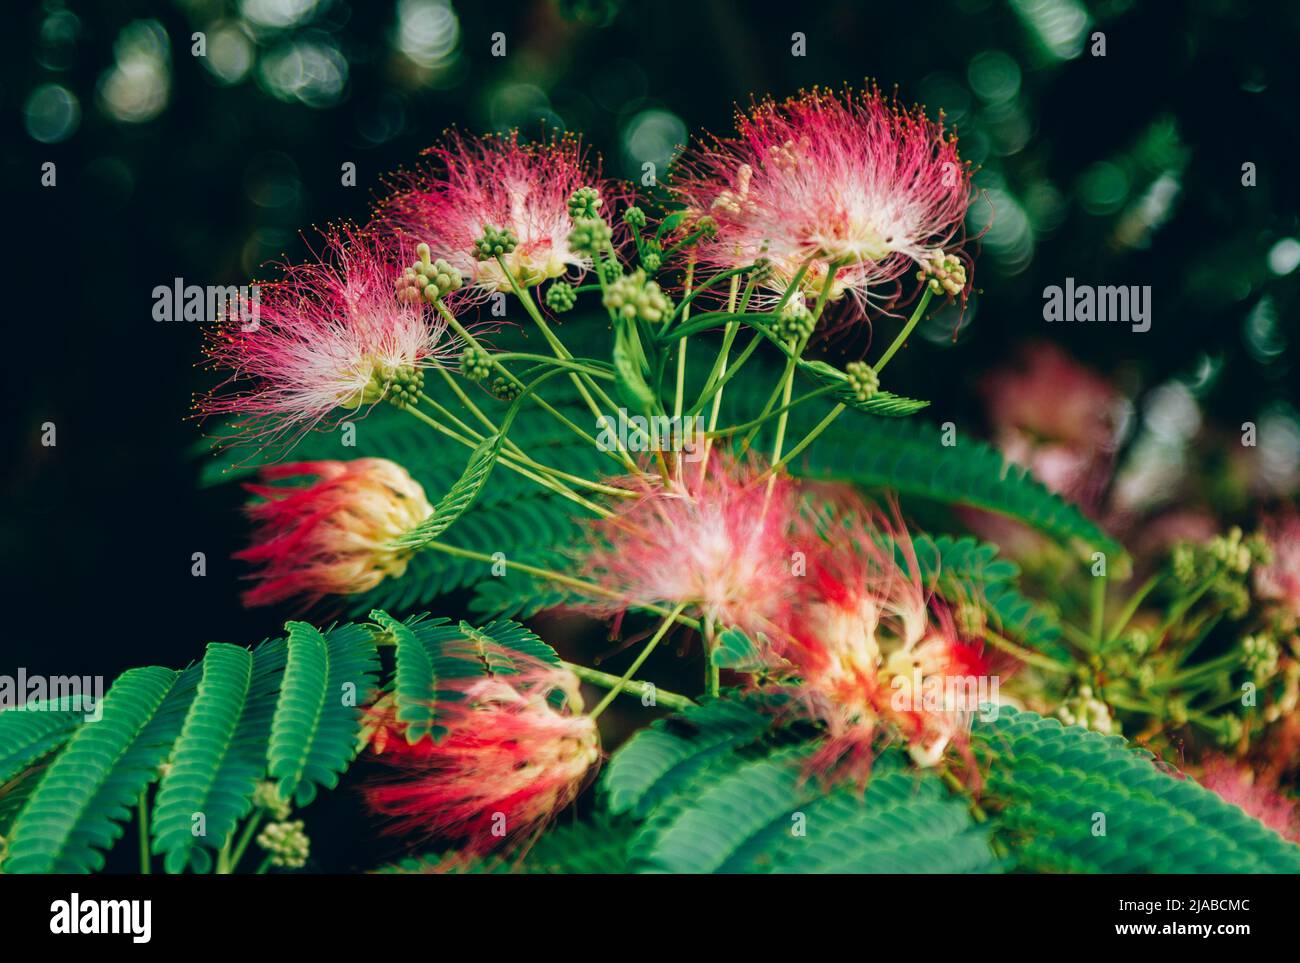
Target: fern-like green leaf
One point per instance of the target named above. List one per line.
(1070, 800)
(415, 685)
(75, 813)
(909, 457)
(317, 720)
(459, 498)
(221, 752)
(659, 758)
(31, 731)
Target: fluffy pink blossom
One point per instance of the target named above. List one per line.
(854, 179)
(474, 183)
(508, 761)
(876, 655)
(330, 338)
(1279, 580)
(1238, 785)
(331, 533)
(711, 538)
(1057, 418)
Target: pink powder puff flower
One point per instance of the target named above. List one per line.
(507, 763)
(1057, 418)
(1278, 580)
(1238, 785)
(854, 179)
(710, 538)
(330, 338)
(497, 182)
(875, 654)
(332, 535)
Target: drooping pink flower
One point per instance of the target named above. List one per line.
(498, 182)
(877, 656)
(332, 532)
(710, 538)
(1237, 784)
(854, 179)
(1057, 418)
(1279, 579)
(329, 339)
(508, 761)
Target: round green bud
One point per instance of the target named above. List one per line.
(561, 297)
(863, 380)
(609, 271)
(403, 387)
(475, 364)
(584, 203)
(505, 389)
(795, 323)
(495, 243)
(633, 296)
(635, 217)
(589, 236)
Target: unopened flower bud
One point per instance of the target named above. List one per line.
(633, 296)
(561, 297)
(863, 380)
(589, 236)
(585, 202)
(475, 364)
(495, 243)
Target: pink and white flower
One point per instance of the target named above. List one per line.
(710, 538)
(476, 183)
(330, 340)
(853, 180)
(1278, 581)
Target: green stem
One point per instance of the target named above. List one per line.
(588, 588)
(505, 372)
(1027, 656)
(1131, 606)
(808, 439)
(142, 824)
(1098, 609)
(668, 700)
(246, 837)
(907, 330)
(664, 626)
(712, 672)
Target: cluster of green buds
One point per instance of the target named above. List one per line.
(1225, 561)
(426, 279)
(267, 796)
(475, 364)
(652, 256)
(795, 322)
(1260, 654)
(404, 387)
(761, 270)
(943, 273)
(634, 217)
(633, 296)
(1084, 709)
(561, 297)
(1232, 551)
(286, 843)
(590, 236)
(609, 270)
(495, 242)
(584, 204)
(863, 380)
(504, 389)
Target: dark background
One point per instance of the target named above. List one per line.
(1122, 169)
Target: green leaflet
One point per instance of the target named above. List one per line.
(318, 718)
(658, 758)
(414, 684)
(459, 498)
(1071, 800)
(75, 812)
(31, 731)
(909, 457)
(220, 754)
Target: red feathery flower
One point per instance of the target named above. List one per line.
(332, 536)
(853, 179)
(508, 761)
(1279, 579)
(712, 538)
(328, 339)
(476, 183)
(875, 654)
